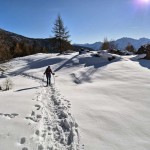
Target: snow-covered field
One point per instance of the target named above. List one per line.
(93, 104)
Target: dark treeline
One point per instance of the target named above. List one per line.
(13, 45)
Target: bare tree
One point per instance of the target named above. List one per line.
(7, 84)
(130, 48)
(105, 44)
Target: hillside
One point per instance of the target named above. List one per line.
(14, 45)
(10, 37)
(92, 104)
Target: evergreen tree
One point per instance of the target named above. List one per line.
(60, 33)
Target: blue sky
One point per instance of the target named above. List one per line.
(87, 20)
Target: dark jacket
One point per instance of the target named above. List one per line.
(48, 71)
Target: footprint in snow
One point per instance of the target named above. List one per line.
(23, 140)
(33, 113)
(24, 148)
(33, 119)
(40, 147)
(38, 106)
(10, 116)
(37, 132)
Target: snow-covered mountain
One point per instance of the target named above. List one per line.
(94, 46)
(137, 43)
(121, 43)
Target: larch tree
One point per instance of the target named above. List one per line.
(105, 44)
(130, 48)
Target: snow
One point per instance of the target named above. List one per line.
(16, 101)
(113, 108)
(92, 104)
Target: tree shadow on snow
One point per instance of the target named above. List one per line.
(38, 64)
(84, 76)
(27, 89)
(144, 63)
(43, 63)
(66, 64)
(96, 62)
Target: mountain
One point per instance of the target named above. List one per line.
(137, 43)
(94, 46)
(121, 43)
(15, 45)
(40, 43)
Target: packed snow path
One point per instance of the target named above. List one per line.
(56, 127)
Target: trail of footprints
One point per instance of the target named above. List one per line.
(9, 116)
(22, 141)
(34, 117)
(56, 128)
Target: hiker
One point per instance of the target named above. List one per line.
(48, 73)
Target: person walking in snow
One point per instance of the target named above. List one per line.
(48, 73)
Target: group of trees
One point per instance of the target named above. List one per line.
(24, 48)
(19, 49)
(110, 45)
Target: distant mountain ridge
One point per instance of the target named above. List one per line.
(121, 43)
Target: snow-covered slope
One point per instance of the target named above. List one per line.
(32, 116)
(109, 101)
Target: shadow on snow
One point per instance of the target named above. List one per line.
(144, 63)
(27, 89)
(38, 64)
(85, 76)
(70, 61)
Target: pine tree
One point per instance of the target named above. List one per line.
(60, 33)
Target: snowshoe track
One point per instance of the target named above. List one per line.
(56, 128)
